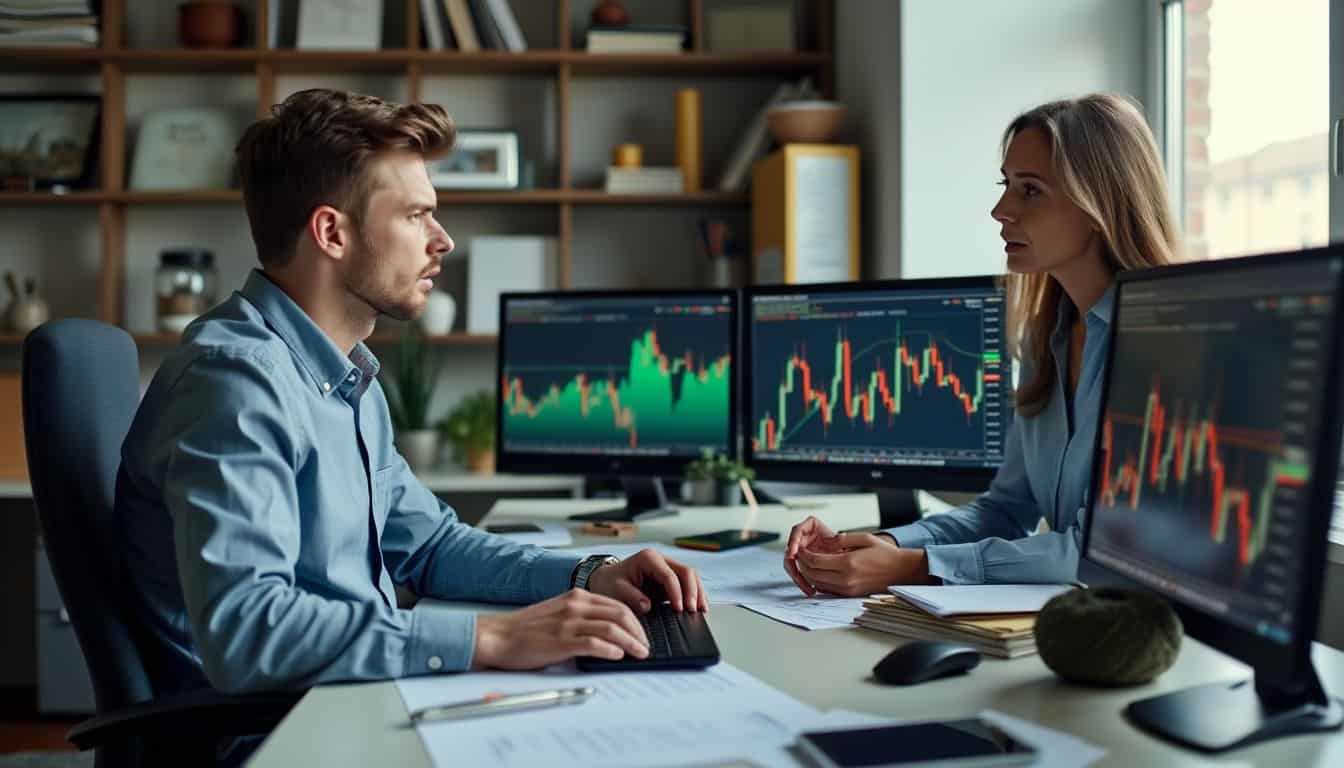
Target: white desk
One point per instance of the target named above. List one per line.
(357, 725)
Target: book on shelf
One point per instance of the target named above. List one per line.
(507, 24)
(32, 23)
(66, 35)
(636, 39)
(756, 138)
(487, 31)
(1005, 635)
(432, 24)
(645, 181)
(464, 28)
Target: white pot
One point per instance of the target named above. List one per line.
(440, 311)
(420, 447)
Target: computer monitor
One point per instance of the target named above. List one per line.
(893, 384)
(628, 383)
(1216, 457)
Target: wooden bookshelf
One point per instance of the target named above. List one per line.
(113, 62)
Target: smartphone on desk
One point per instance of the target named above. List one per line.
(513, 528)
(969, 742)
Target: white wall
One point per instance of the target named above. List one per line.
(967, 68)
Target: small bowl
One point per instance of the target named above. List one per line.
(209, 24)
(805, 122)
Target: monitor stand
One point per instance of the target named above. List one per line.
(896, 507)
(644, 500)
(1221, 716)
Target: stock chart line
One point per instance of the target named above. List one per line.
(615, 408)
(1193, 444)
(908, 371)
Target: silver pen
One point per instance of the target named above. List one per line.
(499, 703)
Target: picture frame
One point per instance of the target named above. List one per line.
(340, 25)
(188, 148)
(49, 141)
(479, 160)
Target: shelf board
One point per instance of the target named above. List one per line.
(178, 197)
(80, 197)
(502, 197)
(600, 197)
(395, 61)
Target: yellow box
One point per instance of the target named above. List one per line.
(805, 215)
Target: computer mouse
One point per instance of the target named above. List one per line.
(919, 661)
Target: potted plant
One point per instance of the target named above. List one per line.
(714, 479)
(410, 390)
(470, 429)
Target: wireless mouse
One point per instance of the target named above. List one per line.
(919, 661)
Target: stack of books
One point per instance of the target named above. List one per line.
(48, 23)
(1004, 635)
(645, 181)
(643, 39)
(997, 620)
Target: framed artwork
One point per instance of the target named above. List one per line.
(49, 140)
(186, 149)
(480, 160)
(349, 25)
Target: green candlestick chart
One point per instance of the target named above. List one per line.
(658, 401)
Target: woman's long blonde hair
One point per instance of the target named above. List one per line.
(1106, 161)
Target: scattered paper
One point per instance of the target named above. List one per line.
(634, 719)
(755, 579)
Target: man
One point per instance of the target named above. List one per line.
(265, 516)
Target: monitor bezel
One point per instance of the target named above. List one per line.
(1274, 663)
(593, 465)
(965, 479)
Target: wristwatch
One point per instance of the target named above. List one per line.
(587, 565)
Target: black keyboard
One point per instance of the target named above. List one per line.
(677, 640)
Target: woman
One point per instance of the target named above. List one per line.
(1084, 198)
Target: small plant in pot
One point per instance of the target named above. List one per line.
(410, 391)
(470, 429)
(714, 479)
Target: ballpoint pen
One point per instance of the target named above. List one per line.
(499, 703)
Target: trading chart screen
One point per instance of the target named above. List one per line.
(629, 375)
(880, 376)
(1208, 436)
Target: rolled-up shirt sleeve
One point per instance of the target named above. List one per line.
(231, 491)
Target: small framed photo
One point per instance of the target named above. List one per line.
(480, 160)
(49, 140)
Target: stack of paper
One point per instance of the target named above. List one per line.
(1005, 635)
(996, 619)
(645, 181)
(47, 23)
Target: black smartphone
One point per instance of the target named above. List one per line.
(721, 540)
(513, 528)
(969, 742)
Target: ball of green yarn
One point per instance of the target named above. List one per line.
(1108, 636)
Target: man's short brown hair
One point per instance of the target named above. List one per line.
(315, 149)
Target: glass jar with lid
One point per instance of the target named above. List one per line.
(185, 285)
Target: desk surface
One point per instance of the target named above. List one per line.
(363, 724)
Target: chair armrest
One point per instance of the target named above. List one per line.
(196, 715)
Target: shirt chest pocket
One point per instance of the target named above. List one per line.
(382, 501)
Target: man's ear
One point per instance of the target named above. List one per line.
(330, 230)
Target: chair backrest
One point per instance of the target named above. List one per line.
(81, 381)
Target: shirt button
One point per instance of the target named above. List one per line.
(435, 663)
(326, 386)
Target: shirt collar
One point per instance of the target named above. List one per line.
(329, 369)
(1100, 311)
(1105, 305)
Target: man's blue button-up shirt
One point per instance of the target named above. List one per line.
(265, 517)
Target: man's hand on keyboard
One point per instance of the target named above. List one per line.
(648, 572)
(577, 623)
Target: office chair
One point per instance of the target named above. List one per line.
(80, 391)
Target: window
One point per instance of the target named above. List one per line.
(1248, 107)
